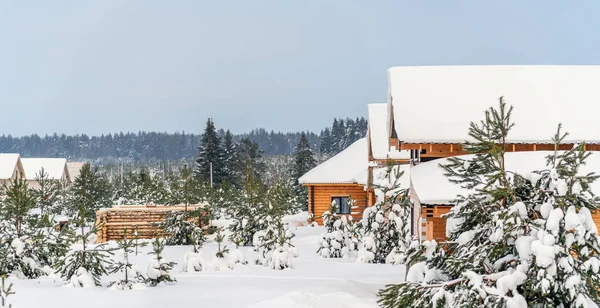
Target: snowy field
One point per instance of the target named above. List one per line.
(314, 282)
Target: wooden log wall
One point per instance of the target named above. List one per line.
(320, 196)
(113, 222)
(439, 150)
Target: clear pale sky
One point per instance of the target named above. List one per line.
(116, 65)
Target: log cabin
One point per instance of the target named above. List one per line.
(430, 109)
(352, 173)
(338, 179)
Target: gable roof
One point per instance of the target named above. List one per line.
(8, 163)
(379, 134)
(433, 187)
(74, 169)
(347, 167)
(54, 167)
(435, 104)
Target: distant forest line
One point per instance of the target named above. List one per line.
(160, 146)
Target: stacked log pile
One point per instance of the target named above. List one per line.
(113, 222)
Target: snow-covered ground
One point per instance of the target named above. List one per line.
(314, 282)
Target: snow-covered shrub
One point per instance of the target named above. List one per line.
(337, 242)
(517, 240)
(386, 225)
(193, 262)
(81, 278)
(274, 246)
(158, 268)
(248, 214)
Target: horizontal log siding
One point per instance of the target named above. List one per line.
(323, 195)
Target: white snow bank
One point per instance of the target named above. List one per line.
(299, 219)
(309, 300)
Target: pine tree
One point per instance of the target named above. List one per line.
(515, 240)
(158, 269)
(210, 154)
(249, 211)
(90, 191)
(17, 203)
(47, 192)
(129, 273)
(273, 245)
(338, 132)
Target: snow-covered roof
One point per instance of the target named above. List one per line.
(378, 131)
(54, 167)
(435, 104)
(74, 169)
(8, 163)
(432, 187)
(379, 134)
(348, 166)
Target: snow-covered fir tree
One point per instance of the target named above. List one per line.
(210, 156)
(337, 242)
(386, 225)
(129, 274)
(326, 145)
(516, 240)
(86, 262)
(250, 211)
(184, 227)
(159, 269)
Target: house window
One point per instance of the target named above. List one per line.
(342, 203)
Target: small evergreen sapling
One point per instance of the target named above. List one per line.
(159, 269)
(337, 240)
(221, 261)
(5, 292)
(129, 274)
(274, 246)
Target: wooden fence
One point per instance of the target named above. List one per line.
(113, 222)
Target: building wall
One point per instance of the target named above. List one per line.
(320, 197)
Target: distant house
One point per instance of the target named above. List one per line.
(11, 167)
(74, 169)
(55, 168)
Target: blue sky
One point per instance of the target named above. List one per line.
(113, 65)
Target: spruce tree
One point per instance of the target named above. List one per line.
(249, 161)
(90, 191)
(326, 142)
(517, 240)
(304, 161)
(229, 159)
(210, 154)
